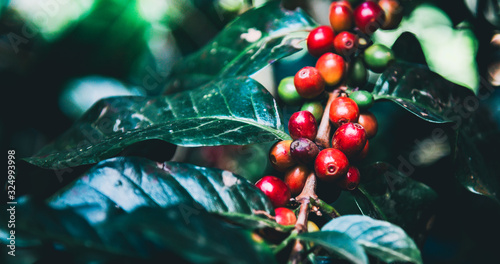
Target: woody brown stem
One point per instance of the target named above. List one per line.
(304, 198)
(324, 129)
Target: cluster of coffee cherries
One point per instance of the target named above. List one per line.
(333, 165)
(344, 52)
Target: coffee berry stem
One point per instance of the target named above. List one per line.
(304, 198)
(324, 129)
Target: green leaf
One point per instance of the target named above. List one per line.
(381, 239)
(254, 40)
(395, 197)
(120, 185)
(471, 168)
(448, 51)
(485, 9)
(200, 238)
(420, 91)
(407, 48)
(144, 235)
(236, 111)
(253, 221)
(338, 243)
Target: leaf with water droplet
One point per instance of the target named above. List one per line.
(145, 235)
(421, 91)
(234, 111)
(131, 182)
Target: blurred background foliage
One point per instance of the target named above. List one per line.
(58, 57)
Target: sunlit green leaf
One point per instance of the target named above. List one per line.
(381, 239)
(338, 243)
(448, 51)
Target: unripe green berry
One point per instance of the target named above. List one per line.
(378, 57)
(357, 74)
(287, 92)
(315, 107)
(363, 99)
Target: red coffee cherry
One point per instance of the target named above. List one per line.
(331, 67)
(369, 122)
(345, 43)
(275, 189)
(343, 2)
(320, 41)
(280, 156)
(331, 164)
(341, 18)
(304, 150)
(308, 82)
(393, 13)
(295, 178)
(351, 179)
(363, 152)
(343, 110)
(368, 17)
(302, 124)
(285, 216)
(350, 138)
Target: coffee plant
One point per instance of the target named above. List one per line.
(360, 131)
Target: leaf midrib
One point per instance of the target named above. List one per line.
(280, 134)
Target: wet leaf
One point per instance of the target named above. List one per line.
(144, 235)
(235, 111)
(420, 91)
(120, 185)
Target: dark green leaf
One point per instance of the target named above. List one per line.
(236, 111)
(200, 237)
(381, 239)
(338, 243)
(121, 185)
(475, 143)
(485, 9)
(254, 40)
(254, 221)
(144, 235)
(471, 170)
(408, 48)
(420, 91)
(366, 206)
(395, 197)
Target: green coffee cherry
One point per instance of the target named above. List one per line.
(287, 92)
(315, 108)
(357, 74)
(363, 99)
(378, 57)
